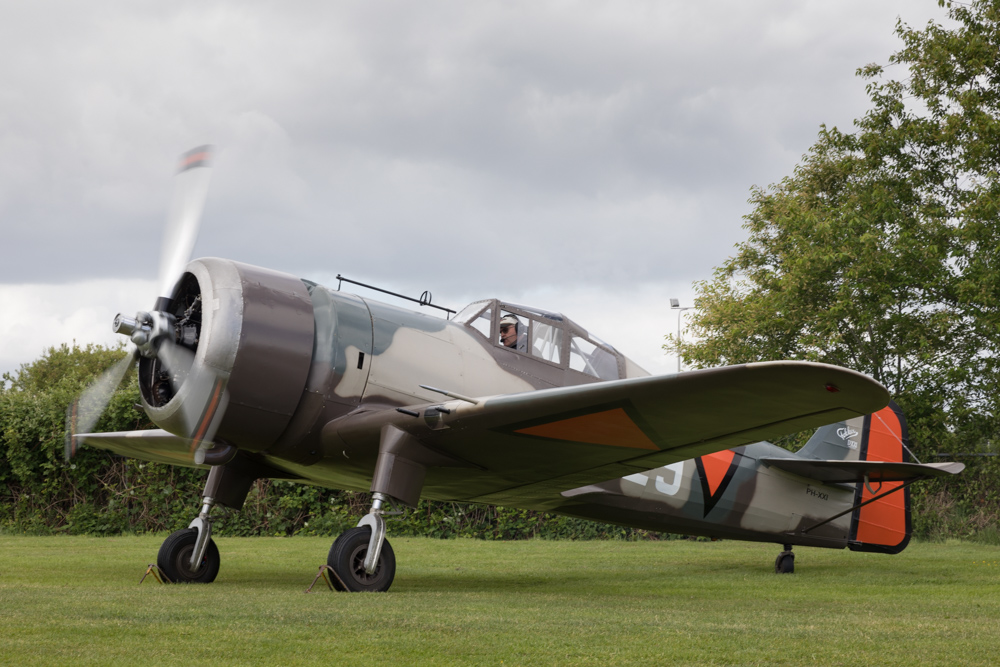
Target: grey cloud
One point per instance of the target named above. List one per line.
(416, 141)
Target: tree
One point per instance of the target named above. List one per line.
(882, 251)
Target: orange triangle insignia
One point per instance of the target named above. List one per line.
(716, 470)
(610, 427)
(716, 466)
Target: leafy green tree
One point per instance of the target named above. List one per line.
(881, 252)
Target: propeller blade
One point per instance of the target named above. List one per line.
(83, 413)
(154, 332)
(206, 400)
(190, 191)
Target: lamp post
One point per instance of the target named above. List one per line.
(676, 305)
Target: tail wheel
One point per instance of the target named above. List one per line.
(785, 563)
(347, 558)
(174, 559)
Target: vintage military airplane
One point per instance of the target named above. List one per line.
(254, 373)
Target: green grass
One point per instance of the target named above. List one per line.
(77, 600)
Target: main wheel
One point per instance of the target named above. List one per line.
(174, 558)
(347, 558)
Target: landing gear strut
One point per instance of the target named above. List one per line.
(785, 562)
(361, 557)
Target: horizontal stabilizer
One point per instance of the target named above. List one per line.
(851, 472)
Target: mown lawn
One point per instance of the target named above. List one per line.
(76, 600)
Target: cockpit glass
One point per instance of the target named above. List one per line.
(468, 312)
(546, 341)
(483, 322)
(588, 358)
(543, 335)
(538, 312)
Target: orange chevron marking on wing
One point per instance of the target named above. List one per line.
(611, 427)
(716, 466)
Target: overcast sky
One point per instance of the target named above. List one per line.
(593, 158)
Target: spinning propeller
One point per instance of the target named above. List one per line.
(167, 336)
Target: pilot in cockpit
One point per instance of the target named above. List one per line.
(510, 334)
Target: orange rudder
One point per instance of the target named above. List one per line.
(882, 526)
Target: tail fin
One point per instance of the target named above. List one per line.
(836, 442)
(882, 526)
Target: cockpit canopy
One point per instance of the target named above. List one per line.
(550, 337)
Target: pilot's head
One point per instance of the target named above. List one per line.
(508, 331)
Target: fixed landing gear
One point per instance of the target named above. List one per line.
(347, 558)
(174, 559)
(361, 557)
(785, 562)
(190, 556)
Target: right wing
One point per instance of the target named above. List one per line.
(152, 445)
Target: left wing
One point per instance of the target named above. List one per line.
(524, 449)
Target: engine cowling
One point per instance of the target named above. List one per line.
(248, 326)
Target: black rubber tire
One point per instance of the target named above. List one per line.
(785, 563)
(347, 558)
(175, 554)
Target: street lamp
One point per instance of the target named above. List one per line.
(676, 305)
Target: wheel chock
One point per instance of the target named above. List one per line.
(325, 571)
(157, 574)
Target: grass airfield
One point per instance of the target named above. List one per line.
(77, 600)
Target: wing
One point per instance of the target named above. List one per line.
(161, 446)
(153, 445)
(524, 449)
(852, 472)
